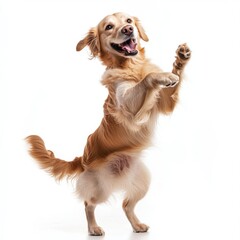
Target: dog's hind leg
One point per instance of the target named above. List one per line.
(137, 189)
(128, 207)
(93, 228)
(93, 191)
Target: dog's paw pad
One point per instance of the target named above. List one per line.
(96, 231)
(140, 227)
(183, 52)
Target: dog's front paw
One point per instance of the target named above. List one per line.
(96, 231)
(140, 227)
(183, 52)
(167, 80)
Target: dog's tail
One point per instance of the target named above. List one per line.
(55, 166)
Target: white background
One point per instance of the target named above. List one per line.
(49, 89)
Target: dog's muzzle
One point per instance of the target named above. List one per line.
(128, 48)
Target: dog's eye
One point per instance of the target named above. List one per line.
(129, 20)
(108, 27)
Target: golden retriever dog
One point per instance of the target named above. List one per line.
(138, 92)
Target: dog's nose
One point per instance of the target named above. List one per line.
(127, 30)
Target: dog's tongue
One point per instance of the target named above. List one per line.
(129, 46)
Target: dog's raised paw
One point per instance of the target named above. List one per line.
(173, 80)
(183, 52)
(168, 80)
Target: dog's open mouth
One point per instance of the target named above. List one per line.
(128, 48)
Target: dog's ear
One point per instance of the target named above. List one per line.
(91, 40)
(141, 31)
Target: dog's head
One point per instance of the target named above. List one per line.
(117, 35)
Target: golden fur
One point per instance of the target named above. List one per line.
(138, 92)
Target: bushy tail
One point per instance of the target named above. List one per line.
(55, 166)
